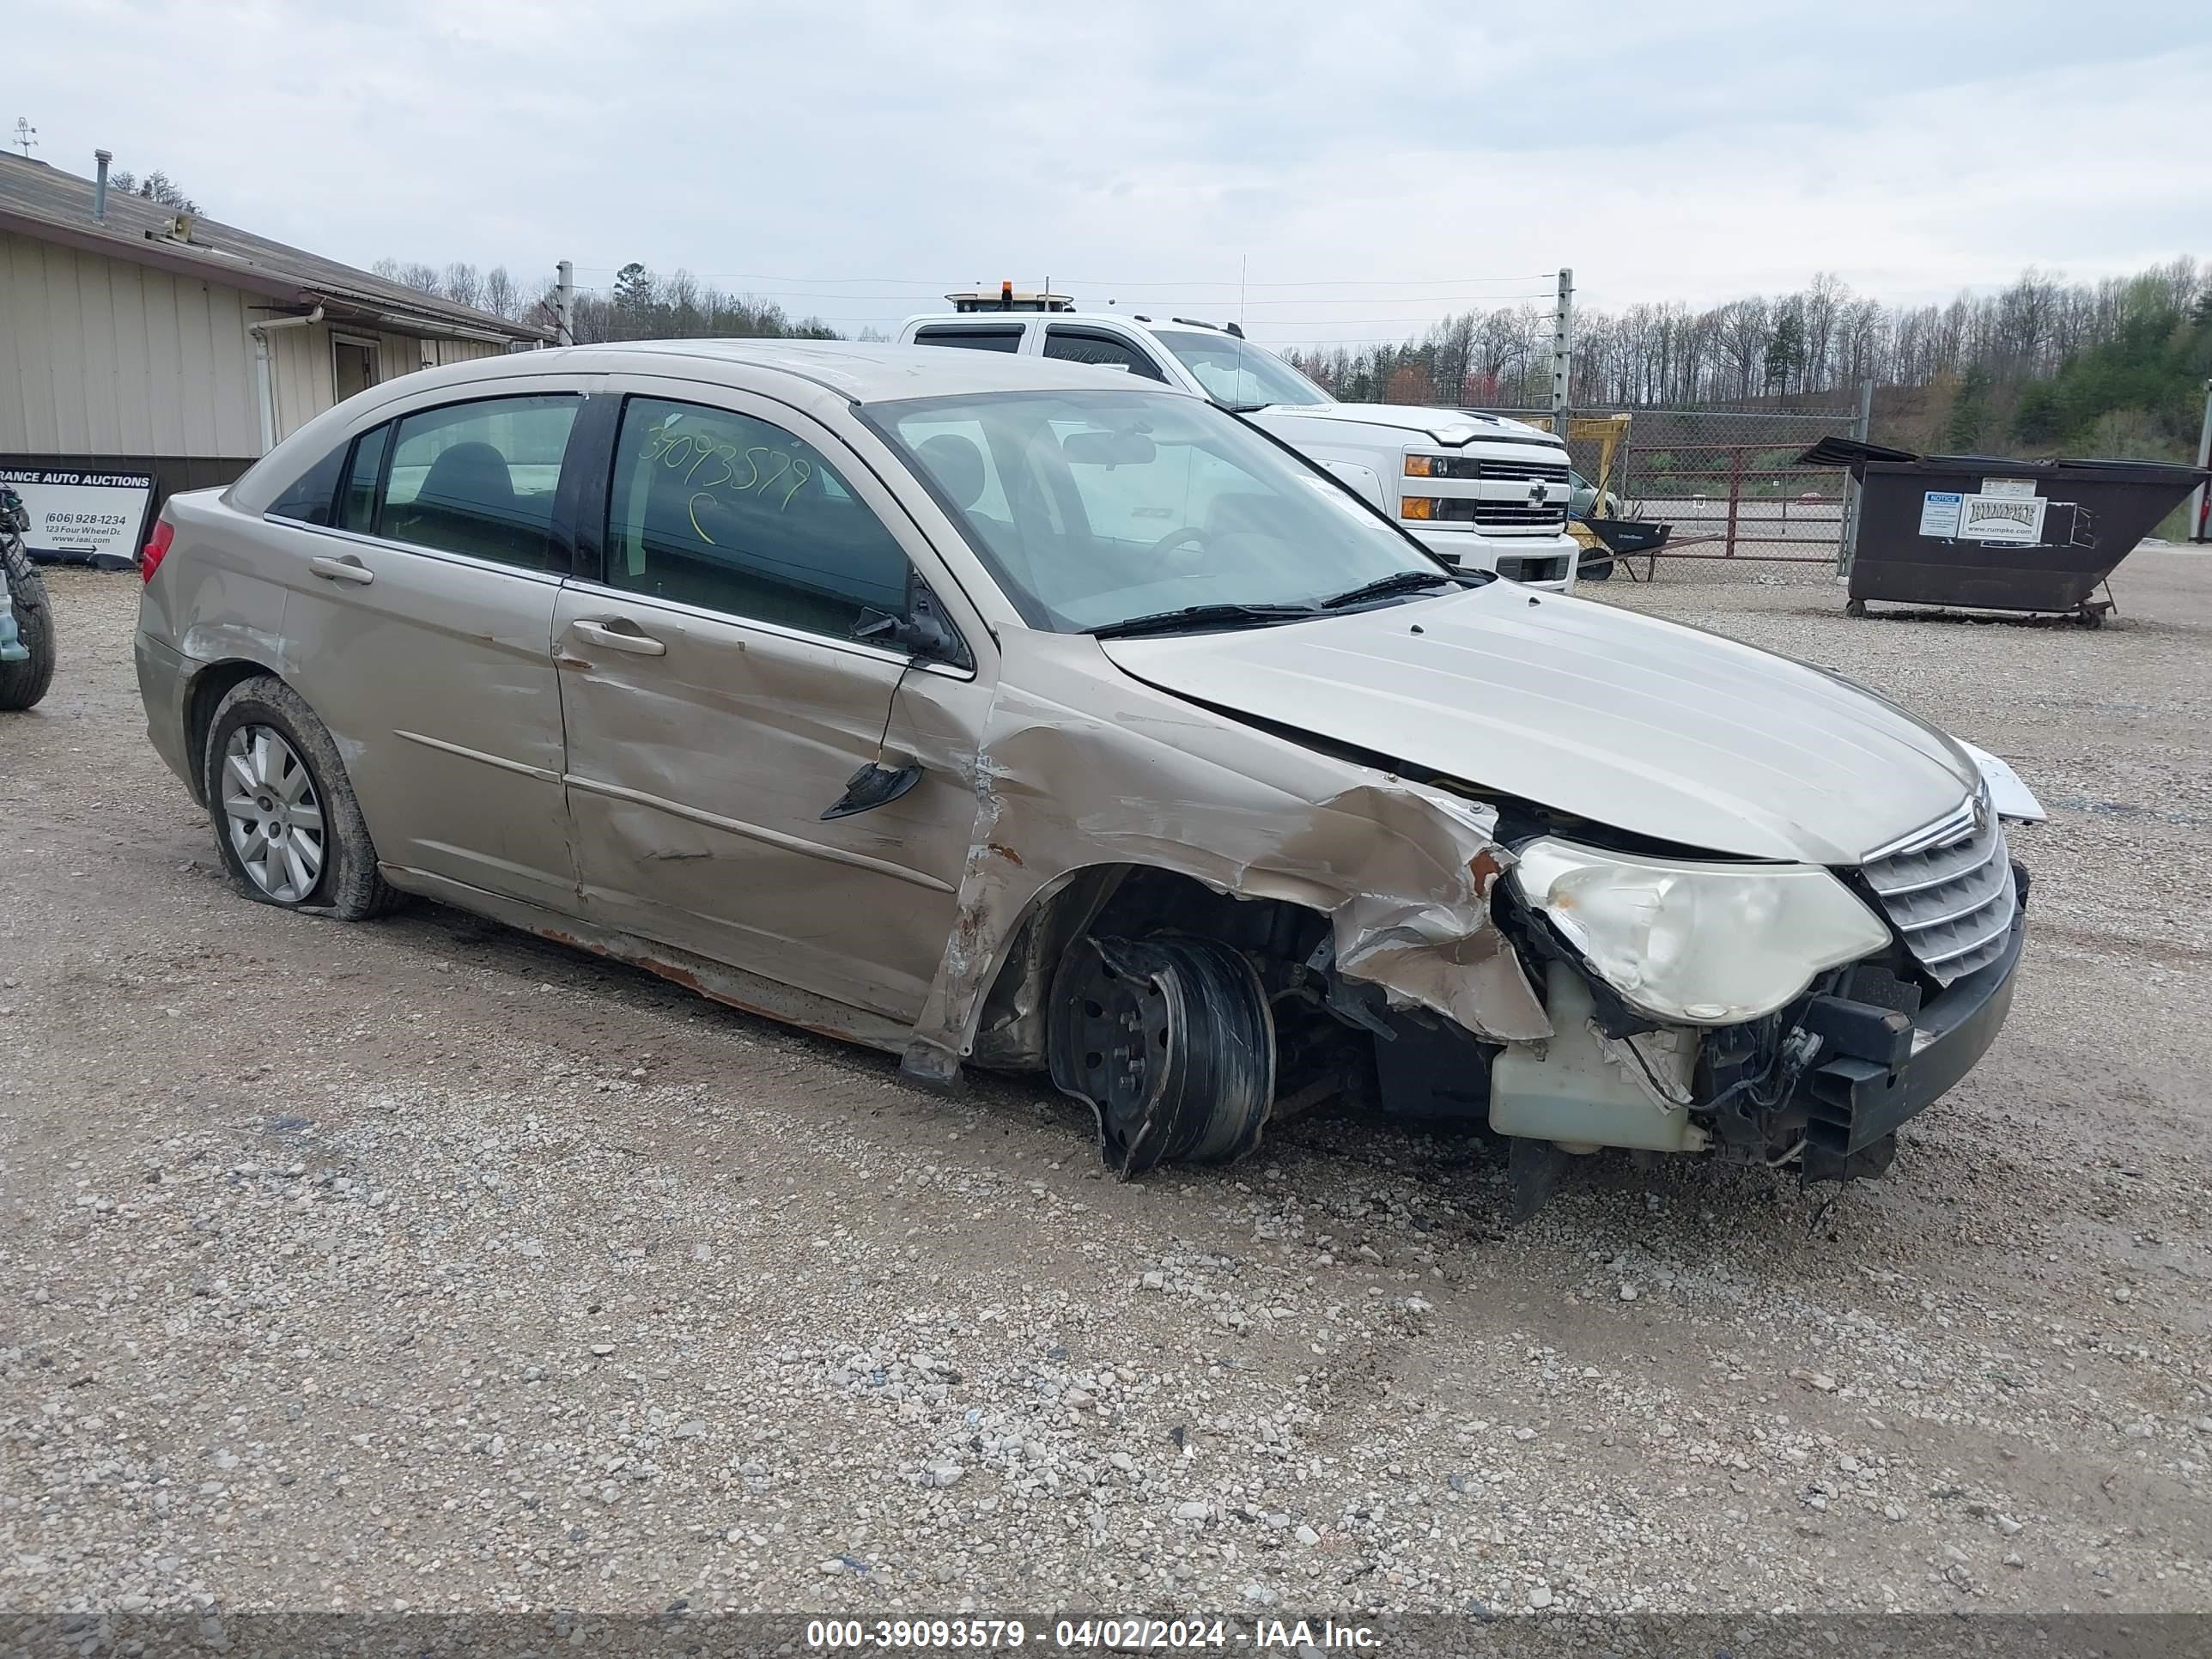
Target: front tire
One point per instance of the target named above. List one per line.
(22, 684)
(1170, 1042)
(286, 826)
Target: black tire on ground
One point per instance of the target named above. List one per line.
(1597, 570)
(1170, 1040)
(22, 684)
(347, 884)
(1855, 608)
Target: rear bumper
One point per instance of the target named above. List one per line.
(1855, 1101)
(163, 682)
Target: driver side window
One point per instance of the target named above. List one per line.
(716, 509)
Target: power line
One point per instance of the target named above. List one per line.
(1148, 285)
(1123, 302)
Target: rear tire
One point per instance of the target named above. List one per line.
(23, 684)
(286, 826)
(1170, 1042)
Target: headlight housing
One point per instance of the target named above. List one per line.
(1694, 943)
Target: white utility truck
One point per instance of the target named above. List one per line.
(1479, 490)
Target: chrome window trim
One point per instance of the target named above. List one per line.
(440, 555)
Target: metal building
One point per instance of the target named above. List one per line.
(133, 337)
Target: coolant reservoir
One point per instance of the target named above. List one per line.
(1576, 1094)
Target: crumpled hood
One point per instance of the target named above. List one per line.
(1443, 425)
(1643, 724)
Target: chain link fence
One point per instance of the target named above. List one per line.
(1725, 482)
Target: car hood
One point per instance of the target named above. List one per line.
(1647, 726)
(1442, 426)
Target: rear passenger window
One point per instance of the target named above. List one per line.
(479, 478)
(308, 501)
(972, 339)
(716, 509)
(1075, 345)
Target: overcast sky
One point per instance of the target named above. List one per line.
(854, 159)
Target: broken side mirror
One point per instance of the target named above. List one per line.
(922, 633)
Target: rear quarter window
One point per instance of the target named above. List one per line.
(309, 498)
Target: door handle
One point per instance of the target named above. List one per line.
(615, 637)
(347, 569)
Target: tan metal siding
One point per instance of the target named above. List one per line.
(300, 373)
(101, 356)
(401, 354)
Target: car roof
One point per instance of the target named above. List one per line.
(860, 371)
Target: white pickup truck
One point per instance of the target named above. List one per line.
(1479, 490)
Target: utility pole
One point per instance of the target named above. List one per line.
(564, 304)
(1847, 543)
(2199, 529)
(1563, 347)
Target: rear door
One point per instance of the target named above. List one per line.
(422, 612)
(717, 703)
(1073, 342)
(973, 337)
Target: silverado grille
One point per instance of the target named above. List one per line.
(1949, 891)
(1481, 466)
(1503, 515)
(1523, 471)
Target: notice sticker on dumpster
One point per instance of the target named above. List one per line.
(2002, 518)
(1939, 513)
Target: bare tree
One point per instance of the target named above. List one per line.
(500, 295)
(156, 187)
(461, 284)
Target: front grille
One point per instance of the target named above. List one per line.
(1949, 891)
(1502, 515)
(1478, 467)
(1523, 471)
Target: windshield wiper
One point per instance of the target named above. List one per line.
(1202, 616)
(1398, 581)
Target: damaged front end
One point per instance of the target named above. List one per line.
(1822, 1083)
(1201, 927)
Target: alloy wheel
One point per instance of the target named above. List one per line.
(274, 818)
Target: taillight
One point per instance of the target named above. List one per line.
(156, 550)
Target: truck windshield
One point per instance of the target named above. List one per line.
(1237, 374)
(1095, 508)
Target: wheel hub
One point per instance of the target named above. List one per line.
(272, 815)
(1170, 1042)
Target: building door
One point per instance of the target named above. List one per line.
(353, 366)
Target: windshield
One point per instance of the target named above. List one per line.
(1237, 374)
(1096, 507)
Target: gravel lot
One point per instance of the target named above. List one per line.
(421, 1264)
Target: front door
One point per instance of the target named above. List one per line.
(717, 703)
